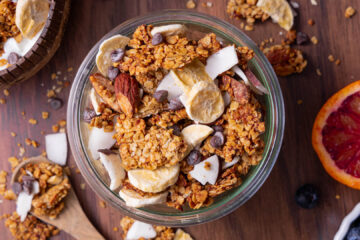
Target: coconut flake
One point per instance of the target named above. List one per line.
(99, 139)
(169, 84)
(95, 100)
(23, 203)
(140, 230)
(205, 174)
(230, 164)
(221, 61)
(112, 164)
(56, 148)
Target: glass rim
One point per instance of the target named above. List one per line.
(272, 147)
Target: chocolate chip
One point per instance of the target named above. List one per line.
(56, 103)
(13, 58)
(106, 151)
(157, 39)
(16, 187)
(302, 38)
(175, 104)
(89, 114)
(176, 130)
(217, 128)
(113, 72)
(218, 140)
(194, 157)
(28, 184)
(117, 55)
(28, 178)
(161, 95)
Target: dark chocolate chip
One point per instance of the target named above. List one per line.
(117, 55)
(217, 128)
(175, 104)
(194, 157)
(161, 95)
(13, 58)
(16, 187)
(28, 183)
(218, 140)
(56, 103)
(157, 39)
(28, 178)
(302, 38)
(89, 114)
(113, 72)
(106, 151)
(176, 130)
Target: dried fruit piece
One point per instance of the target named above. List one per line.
(112, 164)
(169, 30)
(107, 47)
(134, 199)
(105, 90)
(31, 16)
(280, 12)
(127, 93)
(196, 133)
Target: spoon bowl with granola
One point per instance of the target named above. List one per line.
(176, 118)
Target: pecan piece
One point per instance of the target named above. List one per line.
(239, 90)
(105, 89)
(127, 93)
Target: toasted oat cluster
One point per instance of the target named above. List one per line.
(54, 187)
(285, 60)
(246, 9)
(31, 228)
(187, 127)
(8, 28)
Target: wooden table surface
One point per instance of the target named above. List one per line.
(272, 213)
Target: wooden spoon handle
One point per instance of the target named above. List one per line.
(74, 221)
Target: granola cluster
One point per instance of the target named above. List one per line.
(8, 28)
(147, 148)
(246, 9)
(31, 228)
(54, 187)
(285, 60)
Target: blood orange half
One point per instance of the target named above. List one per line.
(336, 135)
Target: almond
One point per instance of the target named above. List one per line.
(105, 90)
(127, 93)
(239, 89)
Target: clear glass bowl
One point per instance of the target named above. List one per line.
(198, 24)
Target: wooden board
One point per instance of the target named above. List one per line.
(44, 48)
(272, 213)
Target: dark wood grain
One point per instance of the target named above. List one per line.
(272, 213)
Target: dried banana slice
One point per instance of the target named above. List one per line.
(196, 133)
(169, 30)
(154, 181)
(103, 57)
(31, 16)
(134, 199)
(280, 12)
(204, 103)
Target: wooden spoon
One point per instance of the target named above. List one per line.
(72, 219)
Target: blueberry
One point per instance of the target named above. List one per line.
(307, 196)
(353, 234)
(56, 103)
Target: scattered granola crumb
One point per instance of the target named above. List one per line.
(55, 128)
(66, 83)
(28, 141)
(3, 175)
(349, 12)
(35, 144)
(2, 101)
(42, 132)
(21, 151)
(50, 93)
(207, 4)
(77, 171)
(314, 40)
(6, 92)
(311, 22)
(102, 204)
(331, 58)
(67, 171)
(82, 186)
(300, 101)
(313, 2)
(190, 4)
(13, 161)
(69, 69)
(115, 229)
(249, 27)
(23, 113)
(9, 195)
(337, 196)
(337, 62)
(45, 115)
(53, 76)
(13, 134)
(32, 121)
(43, 153)
(62, 123)
(318, 72)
